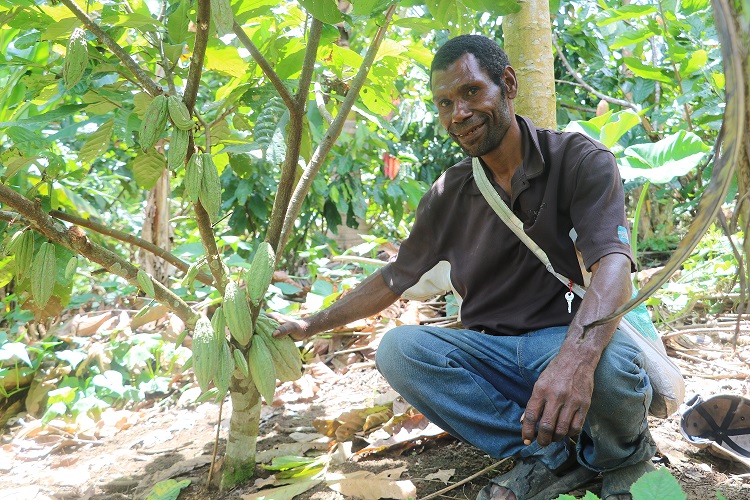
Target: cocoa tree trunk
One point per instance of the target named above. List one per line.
(157, 230)
(239, 460)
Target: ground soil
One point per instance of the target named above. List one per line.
(173, 438)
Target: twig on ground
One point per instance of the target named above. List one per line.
(467, 480)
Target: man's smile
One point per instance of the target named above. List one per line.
(469, 132)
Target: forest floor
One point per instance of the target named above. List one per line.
(173, 438)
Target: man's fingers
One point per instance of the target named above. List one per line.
(548, 423)
(530, 417)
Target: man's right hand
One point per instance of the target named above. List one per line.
(296, 328)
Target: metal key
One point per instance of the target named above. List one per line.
(569, 297)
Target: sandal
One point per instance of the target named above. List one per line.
(619, 481)
(530, 479)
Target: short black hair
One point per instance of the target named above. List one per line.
(491, 57)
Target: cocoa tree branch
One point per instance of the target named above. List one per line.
(294, 139)
(265, 66)
(151, 86)
(76, 240)
(332, 134)
(203, 17)
(129, 238)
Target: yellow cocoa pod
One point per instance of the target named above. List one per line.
(154, 122)
(221, 13)
(179, 113)
(210, 193)
(225, 369)
(24, 253)
(178, 146)
(76, 58)
(194, 177)
(241, 363)
(259, 276)
(262, 368)
(43, 274)
(237, 313)
(286, 357)
(146, 284)
(205, 353)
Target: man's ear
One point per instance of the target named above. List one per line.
(511, 83)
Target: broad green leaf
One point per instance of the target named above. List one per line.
(633, 37)
(369, 8)
(147, 167)
(645, 71)
(61, 29)
(54, 410)
(326, 11)
(418, 24)
(687, 7)
(140, 103)
(14, 349)
(696, 62)
(671, 152)
(225, 59)
(134, 20)
(45, 118)
(617, 126)
(7, 270)
(624, 13)
(64, 394)
(494, 7)
(178, 23)
(167, 490)
(657, 485)
(390, 48)
(97, 143)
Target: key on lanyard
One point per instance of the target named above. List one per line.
(569, 296)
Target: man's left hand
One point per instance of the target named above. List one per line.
(559, 401)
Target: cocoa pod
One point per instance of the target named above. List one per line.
(76, 58)
(225, 369)
(237, 313)
(212, 393)
(154, 122)
(179, 113)
(24, 253)
(189, 280)
(146, 284)
(210, 193)
(205, 354)
(70, 267)
(286, 357)
(219, 324)
(262, 370)
(221, 13)
(194, 177)
(259, 276)
(43, 274)
(178, 147)
(241, 363)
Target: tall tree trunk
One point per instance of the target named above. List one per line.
(157, 230)
(239, 460)
(528, 42)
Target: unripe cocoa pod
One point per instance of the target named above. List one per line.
(194, 177)
(262, 368)
(154, 122)
(212, 393)
(146, 284)
(76, 58)
(237, 313)
(225, 369)
(219, 324)
(286, 358)
(178, 146)
(210, 193)
(179, 113)
(259, 276)
(241, 363)
(24, 253)
(189, 280)
(205, 353)
(43, 274)
(221, 12)
(70, 268)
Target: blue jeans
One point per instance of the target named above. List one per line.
(475, 386)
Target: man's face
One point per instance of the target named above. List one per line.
(471, 107)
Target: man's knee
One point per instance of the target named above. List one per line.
(620, 377)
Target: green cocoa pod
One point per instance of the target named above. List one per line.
(70, 267)
(10, 243)
(221, 13)
(241, 363)
(286, 357)
(24, 253)
(154, 122)
(259, 275)
(146, 284)
(219, 324)
(262, 371)
(178, 147)
(43, 274)
(208, 395)
(225, 369)
(210, 193)
(194, 177)
(205, 354)
(189, 280)
(179, 113)
(76, 58)
(237, 313)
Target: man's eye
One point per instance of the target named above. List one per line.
(473, 91)
(444, 103)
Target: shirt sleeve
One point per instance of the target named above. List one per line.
(598, 209)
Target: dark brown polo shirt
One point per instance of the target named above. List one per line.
(567, 181)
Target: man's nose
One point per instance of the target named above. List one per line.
(461, 111)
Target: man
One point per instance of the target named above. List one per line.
(523, 378)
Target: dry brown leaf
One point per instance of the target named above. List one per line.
(85, 326)
(283, 492)
(369, 486)
(442, 475)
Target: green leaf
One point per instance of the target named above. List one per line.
(178, 23)
(61, 29)
(147, 167)
(168, 489)
(225, 60)
(326, 11)
(14, 349)
(45, 118)
(660, 162)
(53, 411)
(97, 143)
(494, 7)
(657, 485)
(696, 62)
(617, 126)
(645, 71)
(633, 37)
(624, 13)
